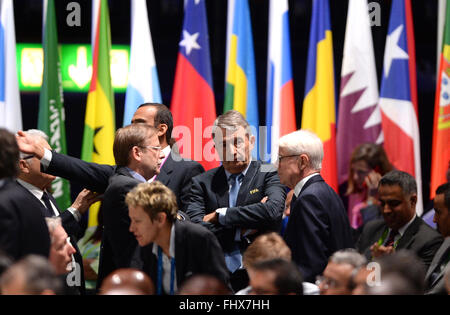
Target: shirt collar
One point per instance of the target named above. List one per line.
(136, 175)
(243, 172)
(37, 192)
(171, 246)
(403, 229)
(298, 188)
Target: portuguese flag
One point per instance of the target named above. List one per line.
(440, 158)
(51, 110)
(99, 125)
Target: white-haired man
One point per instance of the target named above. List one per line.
(318, 225)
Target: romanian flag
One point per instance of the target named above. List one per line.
(193, 106)
(398, 96)
(240, 89)
(99, 126)
(280, 108)
(319, 111)
(441, 129)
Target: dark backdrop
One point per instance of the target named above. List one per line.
(166, 17)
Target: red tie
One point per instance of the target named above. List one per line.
(390, 240)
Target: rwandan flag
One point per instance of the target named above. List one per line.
(440, 160)
(319, 111)
(143, 84)
(280, 108)
(240, 89)
(99, 126)
(51, 110)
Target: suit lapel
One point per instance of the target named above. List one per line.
(166, 170)
(245, 186)
(53, 200)
(220, 188)
(179, 253)
(440, 254)
(36, 200)
(408, 237)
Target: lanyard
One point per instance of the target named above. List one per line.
(160, 272)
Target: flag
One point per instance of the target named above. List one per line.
(240, 86)
(319, 112)
(143, 84)
(99, 125)
(359, 119)
(193, 106)
(51, 119)
(10, 111)
(441, 128)
(280, 107)
(398, 96)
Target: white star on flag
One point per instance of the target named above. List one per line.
(393, 50)
(189, 41)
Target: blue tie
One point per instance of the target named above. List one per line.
(234, 181)
(233, 260)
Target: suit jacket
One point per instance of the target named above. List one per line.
(23, 230)
(210, 191)
(197, 252)
(418, 238)
(437, 286)
(176, 173)
(317, 227)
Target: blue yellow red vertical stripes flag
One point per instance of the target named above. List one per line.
(240, 76)
(359, 119)
(10, 110)
(440, 159)
(319, 111)
(280, 106)
(99, 125)
(51, 118)
(143, 84)
(193, 106)
(398, 96)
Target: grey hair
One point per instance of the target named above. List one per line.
(52, 224)
(406, 181)
(38, 275)
(230, 121)
(304, 142)
(348, 256)
(35, 133)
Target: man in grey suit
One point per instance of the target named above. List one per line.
(400, 227)
(435, 275)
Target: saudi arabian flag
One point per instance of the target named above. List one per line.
(99, 124)
(51, 109)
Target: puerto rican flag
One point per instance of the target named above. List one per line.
(398, 96)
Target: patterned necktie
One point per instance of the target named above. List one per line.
(391, 238)
(48, 207)
(234, 181)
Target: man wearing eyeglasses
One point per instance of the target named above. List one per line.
(318, 224)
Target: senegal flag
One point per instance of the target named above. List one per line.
(441, 129)
(319, 112)
(99, 125)
(51, 110)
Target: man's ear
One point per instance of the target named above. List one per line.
(135, 153)
(24, 167)
(413, 200)
(162, 129)
(252, 142)
(303, 161)
(161, 218)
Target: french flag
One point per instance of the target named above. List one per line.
(280, 107)
(193, 106)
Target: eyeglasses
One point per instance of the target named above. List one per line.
(280, 157)
(326, 283)
(158, 148)
(28, 157)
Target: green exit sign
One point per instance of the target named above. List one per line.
(76, 67)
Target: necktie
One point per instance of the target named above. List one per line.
(391, 238)
(48, 207)
(234, 181)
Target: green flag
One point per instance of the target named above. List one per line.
(51, 110)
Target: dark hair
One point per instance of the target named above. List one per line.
(398, 178)
(288, 278)
(163, 116)
(445, 189)
(9, 154)
(374, 155)
(128, 137)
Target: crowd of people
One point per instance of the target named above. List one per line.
(166, 226)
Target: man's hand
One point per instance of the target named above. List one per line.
(85, 199)
(29, 145)
(212, 217)
(380, 250)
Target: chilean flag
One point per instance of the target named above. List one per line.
(193, 106)
(280, 108)
(398, 96)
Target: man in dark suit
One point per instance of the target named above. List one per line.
(435, 275)
(172, 250)
(318, 224)
(176, 172)
(240, 199)
(400, 227)
(22, 230)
